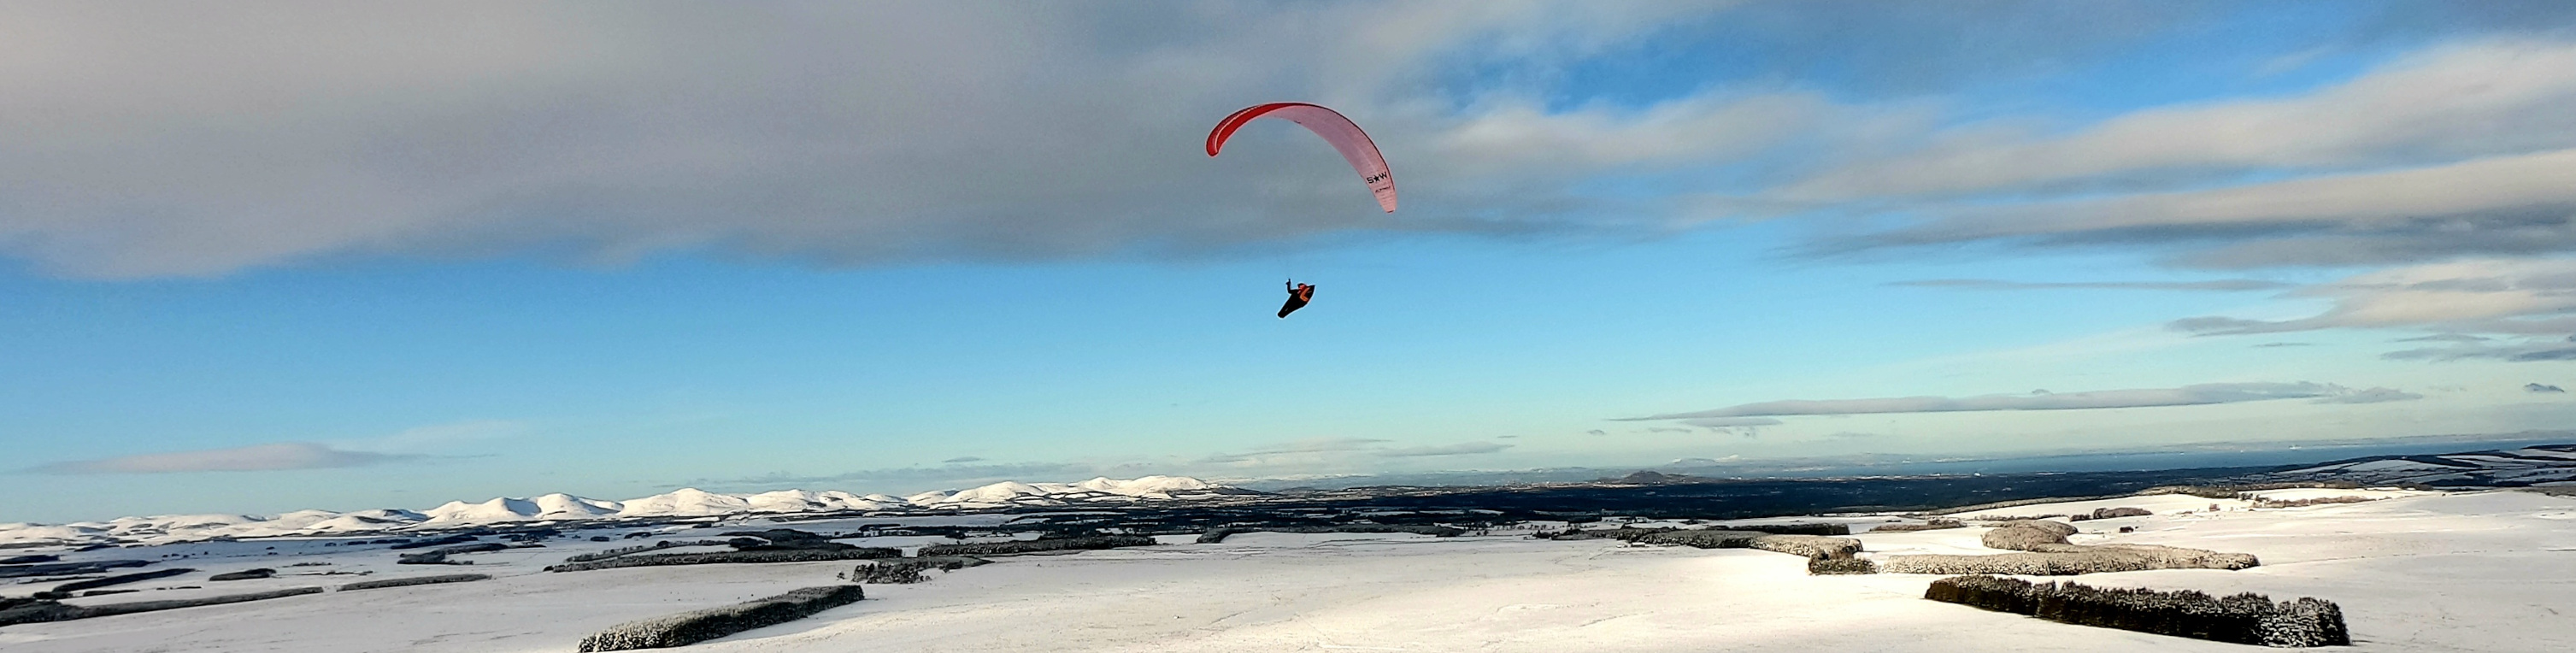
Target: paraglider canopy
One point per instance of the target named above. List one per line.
(1345, 136)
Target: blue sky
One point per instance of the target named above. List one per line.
(280, 257)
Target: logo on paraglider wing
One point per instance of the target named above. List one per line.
(1375, 178)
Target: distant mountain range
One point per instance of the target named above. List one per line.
(2548, 464)
(685, 502)
(2535, 465)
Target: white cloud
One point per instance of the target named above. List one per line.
(2512, 296)
(2519, 351)
(265, 457)
(161, 140)
(2455, 208)
(2370, 396)
(1731, 422)
(2468, 100)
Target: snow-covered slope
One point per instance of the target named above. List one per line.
(2542, 465)
(2420, 573)
(1097, 490)
(684, 502)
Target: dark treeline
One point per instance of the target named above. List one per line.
(415, 580)
(1037, 546)
(25, 611)
(702, 625)
(2241, 619)
(65, 590)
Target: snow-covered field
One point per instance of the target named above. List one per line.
(2480, 571)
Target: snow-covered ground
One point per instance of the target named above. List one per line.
(2482, 571)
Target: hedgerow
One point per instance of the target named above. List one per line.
(908, 570)
(1838, 566)
(66, 589)
(1810, 546)
(438, 541)
(246, 574)
(731, 557)
(611, 553)
(415, 580)
(1933, 525)
(1793, 529)
(2317, 501)
(439, 555)
(67, 568)
(702, 625)
(2081, 560)
(2242, 619)
(1037, 546)
(37, 611)
(1217, 535)
(2113, 513)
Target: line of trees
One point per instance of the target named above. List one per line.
(2242, 619)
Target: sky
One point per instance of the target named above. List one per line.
(276, 255)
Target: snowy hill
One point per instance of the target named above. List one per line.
(2541, 465)
(1097, 490)
(684, 502)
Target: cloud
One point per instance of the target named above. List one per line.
(1990, 284)
(2507, 205)
(2525, 351)
(2497, 97)
(962, 459)
(1460, 449)
(2537, 387)
(265, 457)
(2446, 337)
(1731, 422)
(2361, 173)
(2271, 345)
(2370, 396)
(199, 141)
(2484, 296)
(2191, 395)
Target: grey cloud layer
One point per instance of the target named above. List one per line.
(2461, 150)
(2500, 296)
(2191, 395)
(266, 457)
(2463, 101)
(185, 140)
(2526, 351)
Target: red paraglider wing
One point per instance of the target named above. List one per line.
(1345, 136)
